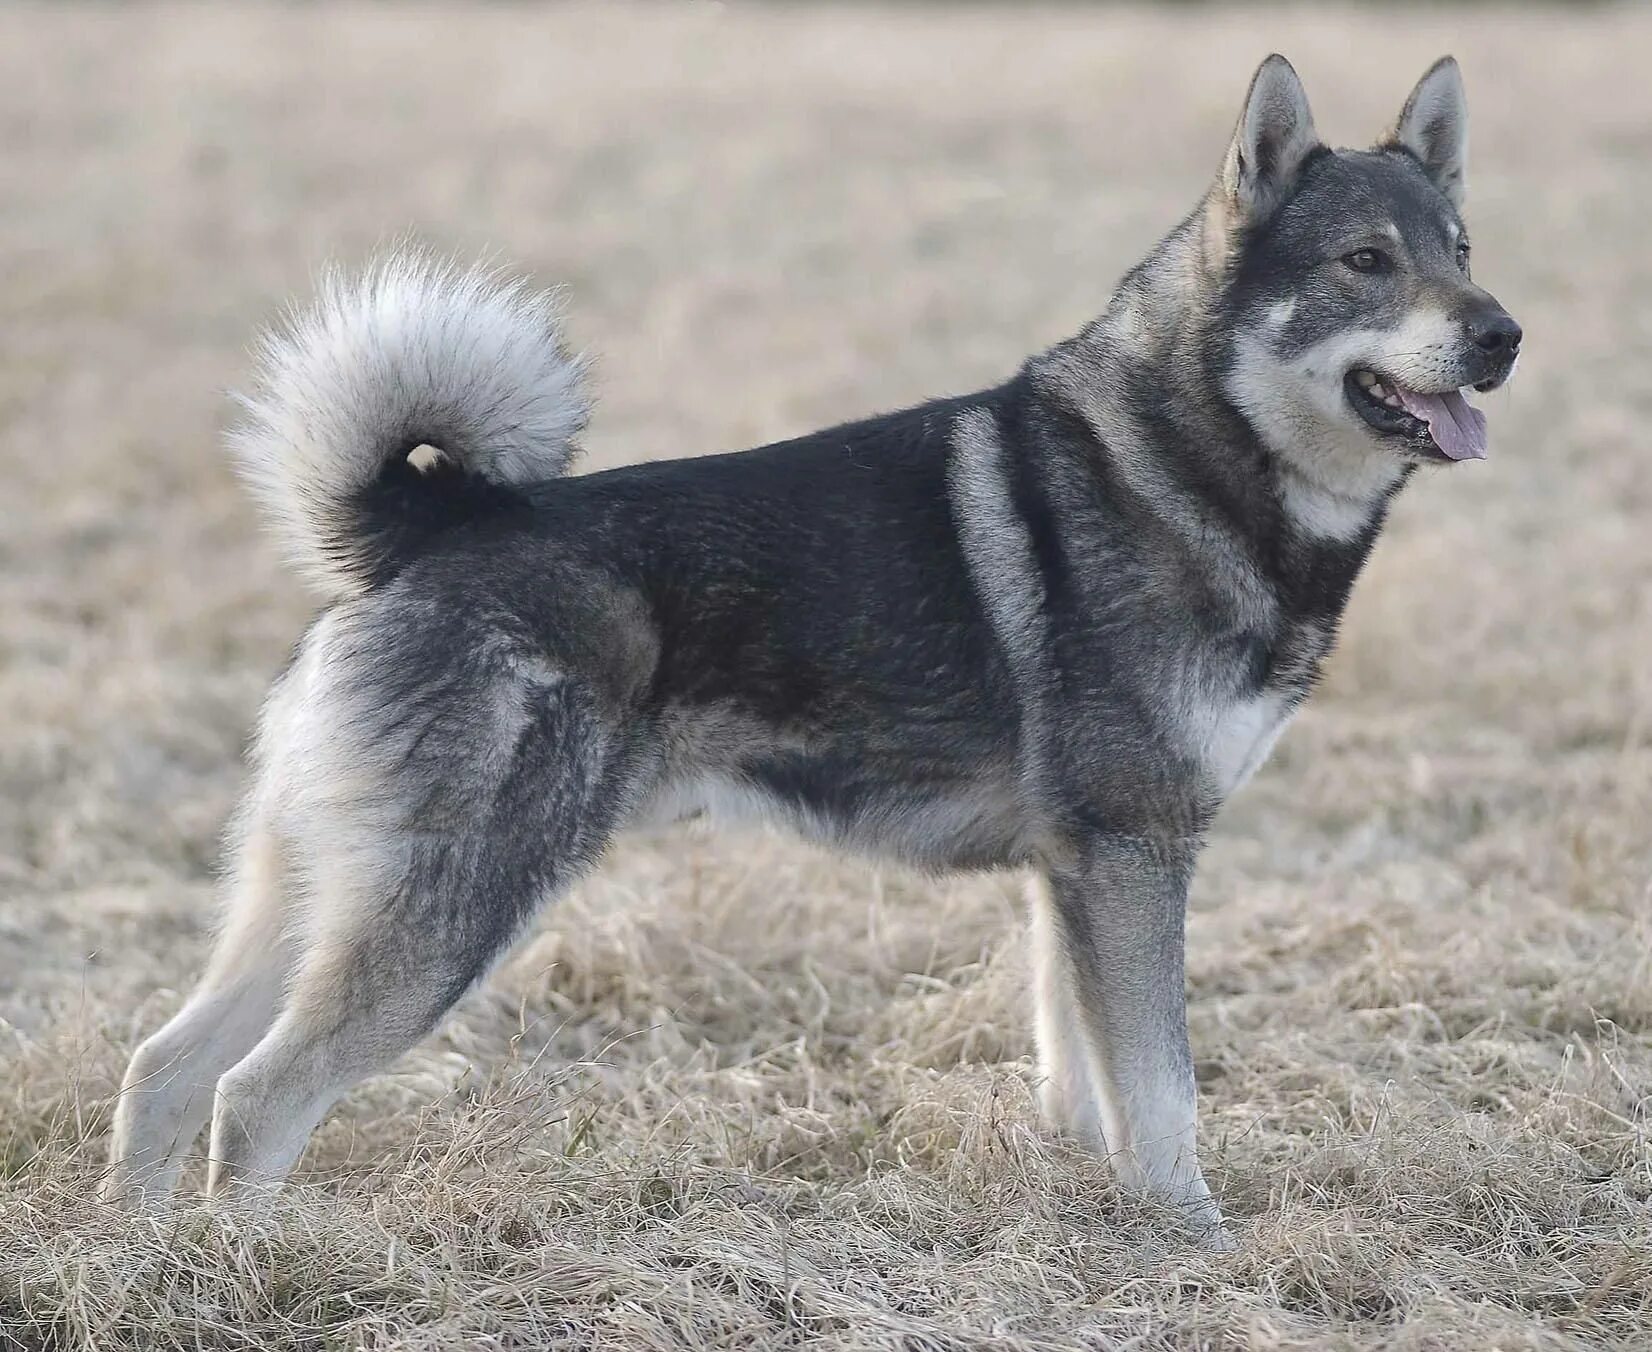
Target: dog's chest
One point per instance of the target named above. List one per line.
(1240, 734)
(1235, 731)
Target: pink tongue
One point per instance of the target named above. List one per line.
(1458, 428)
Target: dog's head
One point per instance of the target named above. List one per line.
(1356, 326)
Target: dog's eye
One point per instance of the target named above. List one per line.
(1462, 255)
(1367, 260)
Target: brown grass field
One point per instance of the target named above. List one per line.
(735, 1092)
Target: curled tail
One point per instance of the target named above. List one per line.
(412, 352)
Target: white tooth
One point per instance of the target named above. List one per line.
(1377, 390)
(1365, 378)
(1393, 401)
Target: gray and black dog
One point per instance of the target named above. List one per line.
(1053, 624)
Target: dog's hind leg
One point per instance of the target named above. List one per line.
(166, 1095)
(1119, 914)
(413, 894)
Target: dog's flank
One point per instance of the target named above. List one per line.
(1055, 623)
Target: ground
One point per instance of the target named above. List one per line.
(736, 1092)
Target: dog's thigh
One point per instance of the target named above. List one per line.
(1119, 916)
(166, 1094)
(412, 895)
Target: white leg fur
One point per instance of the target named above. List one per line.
(166, 1094)
(269, 1104)
(347, 1017)
(1067, 1089)
(371, 981)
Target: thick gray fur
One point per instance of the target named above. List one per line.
(1050, 625)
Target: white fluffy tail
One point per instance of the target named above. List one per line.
(415, 351)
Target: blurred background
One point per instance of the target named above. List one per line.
(1422, 932)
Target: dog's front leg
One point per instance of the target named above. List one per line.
(1116, 925)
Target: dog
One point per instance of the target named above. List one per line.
(1053, 625)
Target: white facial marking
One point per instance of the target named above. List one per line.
(1299, 407)
(1280, 312)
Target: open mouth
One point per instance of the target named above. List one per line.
(1443, 425)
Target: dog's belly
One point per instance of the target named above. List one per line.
(970, 825)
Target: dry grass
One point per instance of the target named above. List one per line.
(737, 1093)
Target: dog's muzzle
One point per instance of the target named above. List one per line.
(1494, 336)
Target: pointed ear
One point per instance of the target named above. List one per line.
(1433, 126)
(1274, 135)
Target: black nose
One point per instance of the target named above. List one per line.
(1495, 332)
